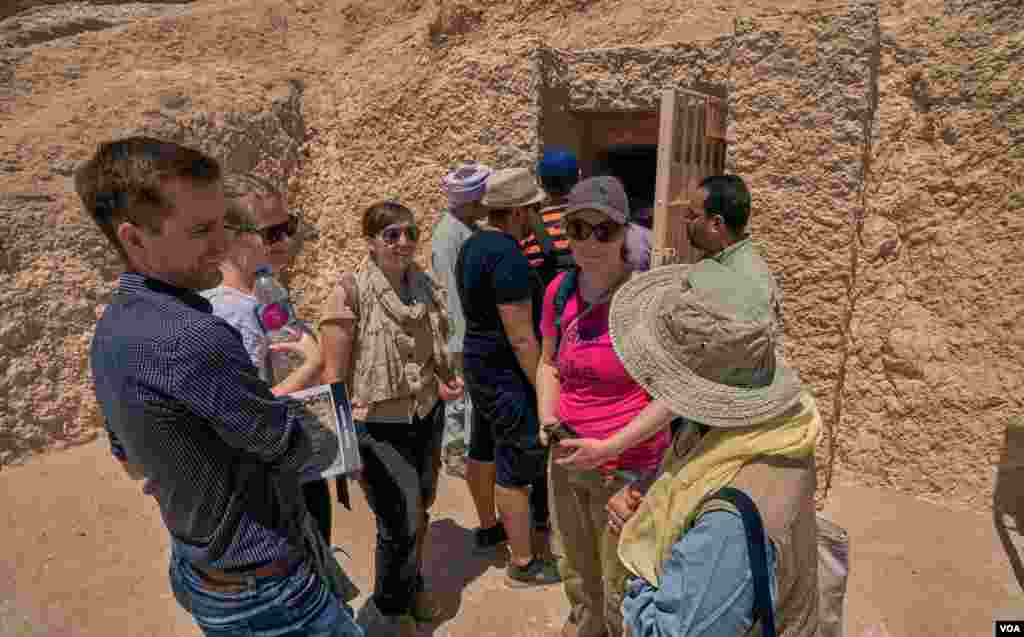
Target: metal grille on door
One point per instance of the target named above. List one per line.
(691, 146)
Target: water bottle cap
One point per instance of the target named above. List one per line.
(274, 316)
(264, 269)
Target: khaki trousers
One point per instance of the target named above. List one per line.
(593, 576)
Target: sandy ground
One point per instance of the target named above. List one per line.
(85, 553)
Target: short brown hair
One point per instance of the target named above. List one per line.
(383, 214)
(122, 182)
(237, 187)
(238, 215)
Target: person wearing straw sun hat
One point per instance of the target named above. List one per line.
(700, 339)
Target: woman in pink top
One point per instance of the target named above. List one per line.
(584, 390)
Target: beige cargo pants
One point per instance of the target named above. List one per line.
(593, 576)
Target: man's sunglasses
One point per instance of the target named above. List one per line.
(579, 230)
(271, 234)
(393, 234)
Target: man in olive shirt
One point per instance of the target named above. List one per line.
(717, 226)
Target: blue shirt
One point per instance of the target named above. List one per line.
(182, 401)
(707, 588)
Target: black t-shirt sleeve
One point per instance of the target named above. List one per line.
(510, 275)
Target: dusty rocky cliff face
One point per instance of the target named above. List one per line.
(936, 344)
(893, 215)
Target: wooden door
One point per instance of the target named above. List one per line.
(691, 146)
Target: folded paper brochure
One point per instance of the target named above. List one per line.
(327, 419)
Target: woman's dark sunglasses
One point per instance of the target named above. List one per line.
(393, 234)
(579, 230)
(271, 234)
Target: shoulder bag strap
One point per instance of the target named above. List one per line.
(758, 554)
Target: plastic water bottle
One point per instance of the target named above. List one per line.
(277, 318)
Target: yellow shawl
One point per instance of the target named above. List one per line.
(672, 502)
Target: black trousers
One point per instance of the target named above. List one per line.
(318, 500)
(400, 471)
(539, 511)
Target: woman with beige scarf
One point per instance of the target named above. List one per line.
(699, 338)
(383, 332)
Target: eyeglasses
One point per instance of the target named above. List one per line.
(271, 234)
(393, 234)
(579, 230)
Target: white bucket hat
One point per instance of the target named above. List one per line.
(699, 337)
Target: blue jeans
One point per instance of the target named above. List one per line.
(293, 605)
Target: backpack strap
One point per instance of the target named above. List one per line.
(348, 283)
(756, 552)
(547, 244)
(566, 288)
(460, 266)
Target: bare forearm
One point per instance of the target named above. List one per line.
(548, 390)
(517, 319)
(337, 348)
(655, 417)
(528, 353)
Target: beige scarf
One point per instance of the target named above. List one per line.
(408, 313)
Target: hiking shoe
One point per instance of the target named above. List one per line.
(375, 623)
(539, 572)
(487, 540)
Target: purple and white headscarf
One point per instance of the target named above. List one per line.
(466, 183)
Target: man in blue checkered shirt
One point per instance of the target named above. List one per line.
(186, 409)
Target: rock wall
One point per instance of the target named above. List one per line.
(15, 7)
(53, 21)
(936, 345)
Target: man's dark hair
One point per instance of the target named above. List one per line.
(558, 185)
(123, 182)
(558, 171)
(729, 198)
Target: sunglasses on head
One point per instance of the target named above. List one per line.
(271, 234)
(579, 230)
(393, 234)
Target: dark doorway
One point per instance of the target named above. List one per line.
(637, 166)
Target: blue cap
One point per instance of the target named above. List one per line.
(557, 162)
(264, 269)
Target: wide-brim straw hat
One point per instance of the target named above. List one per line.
(700, 337)
(512, 188)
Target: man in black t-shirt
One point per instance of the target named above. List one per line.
(501, 298)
